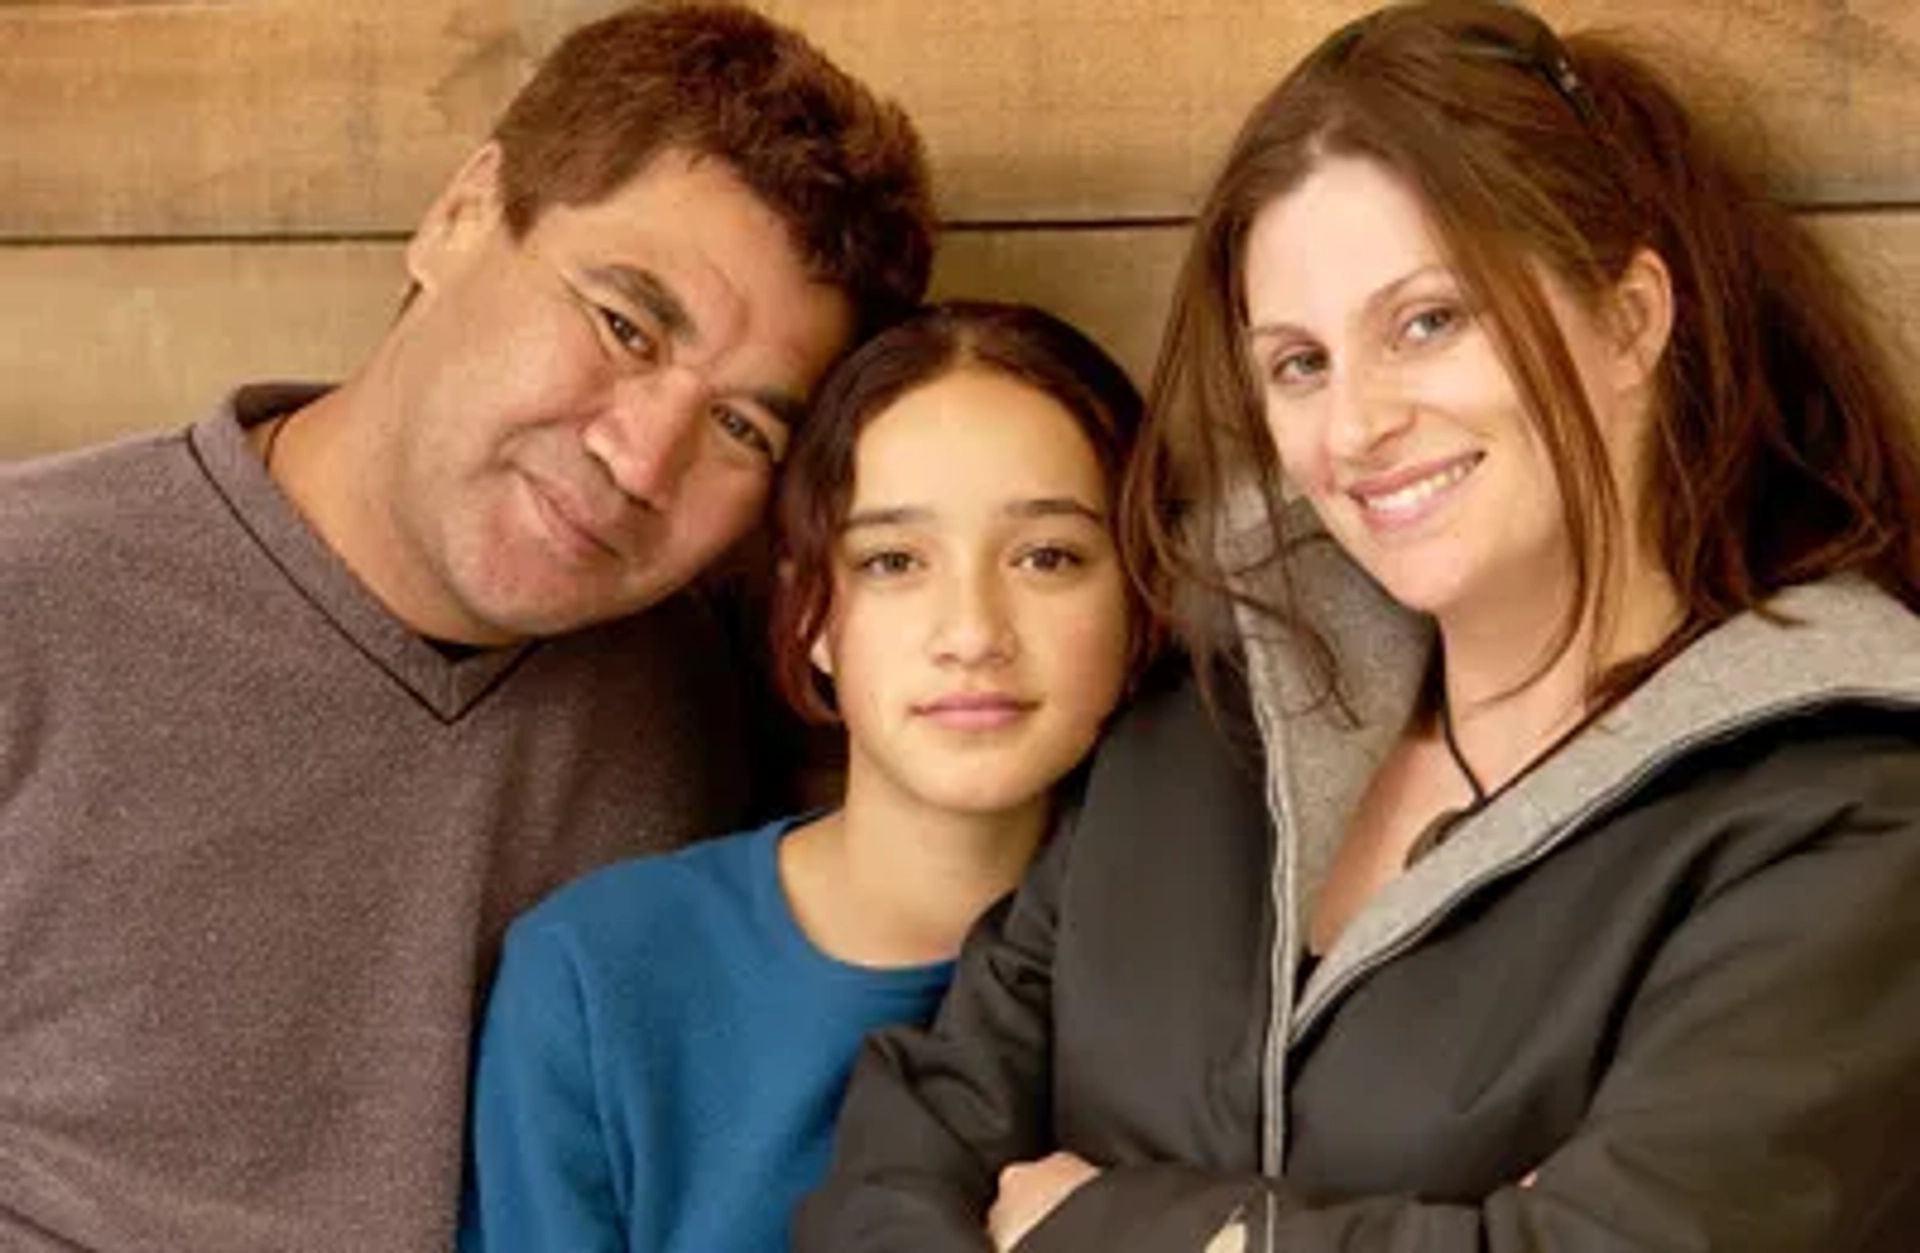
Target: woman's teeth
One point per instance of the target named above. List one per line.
(1420, 491)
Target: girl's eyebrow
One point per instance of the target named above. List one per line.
(896, 515)
(1037, 507)
(1053, 507)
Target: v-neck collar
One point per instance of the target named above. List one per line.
(447, 688)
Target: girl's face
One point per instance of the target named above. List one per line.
(1388, 401)
(979, 634)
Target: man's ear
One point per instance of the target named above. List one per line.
(464, 214)
(1641, 316)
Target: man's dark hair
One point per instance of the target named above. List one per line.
(841, 167)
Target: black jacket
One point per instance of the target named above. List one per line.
(1675, 971)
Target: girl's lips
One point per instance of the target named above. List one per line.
(974, 711)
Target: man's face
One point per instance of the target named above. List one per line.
(588, 416)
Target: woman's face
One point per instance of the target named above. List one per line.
(979, 632)
(1389, 404)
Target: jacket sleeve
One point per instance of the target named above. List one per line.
(933, 1114)
(1761, 1096)
(540, 1175)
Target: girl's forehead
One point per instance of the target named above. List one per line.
(972, 438)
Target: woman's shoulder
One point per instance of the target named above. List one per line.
(1821, 691)
(1839, 645)
(1844, 633)
(1185, 754)
(1839, 760)
(1798, 724)
(1180, 703)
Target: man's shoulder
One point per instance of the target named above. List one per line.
(58, 513)
(87, 479)
(690, 610)
(668, 670)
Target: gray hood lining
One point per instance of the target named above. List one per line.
(1841, 640)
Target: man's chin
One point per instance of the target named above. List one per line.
(534, 615)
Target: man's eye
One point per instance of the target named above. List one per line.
(628, 335)
(744, 430)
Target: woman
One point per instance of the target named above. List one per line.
(668, 1039)
(1552, 878)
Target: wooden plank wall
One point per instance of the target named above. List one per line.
(193, 193)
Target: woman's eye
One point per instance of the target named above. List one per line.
(628, 334)
(1430, 324)
(743, 430)
(1050, 559)
(1298, 368)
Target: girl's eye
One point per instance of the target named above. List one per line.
(887, 563)
(1050, 559)
(628, 335)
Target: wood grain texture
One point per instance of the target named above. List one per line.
(273, 118)
(269, 118)
(102, 340)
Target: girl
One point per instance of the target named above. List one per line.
(1558, 884)
(667, 1042)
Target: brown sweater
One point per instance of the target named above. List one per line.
(258, 844)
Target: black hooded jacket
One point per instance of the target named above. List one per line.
(1663, 993)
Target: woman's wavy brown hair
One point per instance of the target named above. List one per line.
(1782, 451)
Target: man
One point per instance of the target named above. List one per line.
(300, 706)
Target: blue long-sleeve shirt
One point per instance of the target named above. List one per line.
(662, 1059)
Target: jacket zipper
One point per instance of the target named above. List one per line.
(1284, 1033)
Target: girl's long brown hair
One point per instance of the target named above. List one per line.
(1782, 450)
(1015, 341)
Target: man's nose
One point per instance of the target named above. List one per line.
(650, 434)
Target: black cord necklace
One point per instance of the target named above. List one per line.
(1436, 832)
(1459, 758)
